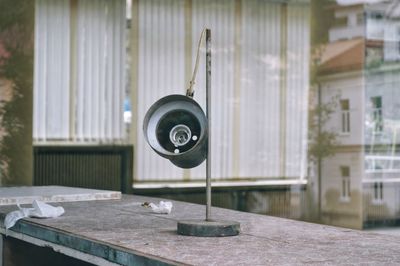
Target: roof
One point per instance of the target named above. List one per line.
(342, 56)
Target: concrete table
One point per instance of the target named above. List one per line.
(21, 195)
(122, 232)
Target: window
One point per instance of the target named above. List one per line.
(345, 173)
(79, 71)
(398, 40)
(345, 116)
(281, 111)
(360, 18)
(377, 114)
(376, 15)
(340, 22)
(261, 24)
(378, 192)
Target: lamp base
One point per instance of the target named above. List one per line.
(211, 228)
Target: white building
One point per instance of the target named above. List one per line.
(360, 70)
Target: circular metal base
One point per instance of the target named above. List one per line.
(212, 228)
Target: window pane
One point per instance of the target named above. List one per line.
(345, 170)
(305, 100)
(79, 71)
(345, 105)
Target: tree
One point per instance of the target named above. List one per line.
(16, 65)
(322, 142)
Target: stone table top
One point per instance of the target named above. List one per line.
(124, 232)
(26, 195)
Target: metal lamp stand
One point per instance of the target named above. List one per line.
(208, 227)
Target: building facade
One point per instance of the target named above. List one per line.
(360, 71)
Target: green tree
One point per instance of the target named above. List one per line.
(322, 141)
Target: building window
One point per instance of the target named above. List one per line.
(376, 15)
(345, 173)
(377, 114)
(378, 192)
(79, 77)
(341, 22)
(398, 42)
(360, 18)
(345, 115)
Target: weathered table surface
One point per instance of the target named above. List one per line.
(121, 231)
(22, 195)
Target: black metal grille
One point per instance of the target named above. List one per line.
(99, 167)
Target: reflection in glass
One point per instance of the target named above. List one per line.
(306, 97)
(360, 63)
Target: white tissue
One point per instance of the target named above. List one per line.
(44, 210)
(13, 217)
(39, 210)
(164, 207)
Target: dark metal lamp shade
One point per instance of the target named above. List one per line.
(176, 128)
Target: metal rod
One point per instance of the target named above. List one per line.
(208, 110)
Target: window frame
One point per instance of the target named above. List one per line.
(345, 118)
(377, 195)
(345, 186)
(377, 114)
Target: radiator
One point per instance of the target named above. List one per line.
(98, 167)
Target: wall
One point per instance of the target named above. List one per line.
(335, 209)
(345, 86)
(385, 211)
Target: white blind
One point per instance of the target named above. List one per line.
(161, 72)
(52, 70)
(219, 16)
(298, 82)
(79, 70)
(260, 131)
(260, 80)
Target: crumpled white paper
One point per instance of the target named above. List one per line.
(164, 207)
(39, 210)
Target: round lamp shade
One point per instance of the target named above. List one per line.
(176, 128)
